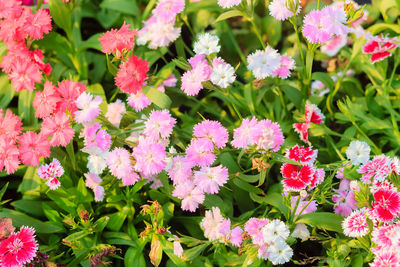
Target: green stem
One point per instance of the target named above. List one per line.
(301, 211)
(257, 32)
(234, 42)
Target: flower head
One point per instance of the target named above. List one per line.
(117, 41)
(358, 152)
(263, 63)
(356, 224)
(132, 74)
(206, 44)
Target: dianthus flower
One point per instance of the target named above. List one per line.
(280, 252)
(150, 157)
(333, 46)
(313, 28)
(345, 202)
(236, 236)
(387, 204)
(267, 135)
(190, 194)
(229, 3)
(51, 172)
(24, 75)
(89, 107)
(45, 102)
(93, 182)
(158, 32)
(280, 9)
(213, 131)
(223, 75)
(69, 92)
(358, 152)
(297, 177)
(333, 20)
(97, 140)
(32, 146)
(356, 224)
(192, 79)
(275, 229)
(138, 101)
(180, 170)
(118, 41)
(263, 63)
(159, 125)
(57, 127)
(168, 9)
(383, 235)
(19, 248)
(10, 125)
(212, 223)
(304, 155)
(386, 258)
(132, 74)
(241, 135)
(200, 152)
(379, 48)
(37, 24)
(209, 179)
(206, 44)
(313, 114)
(119, 162)
(8, 155)
(115, 111)
(378, 168)
(254, 228)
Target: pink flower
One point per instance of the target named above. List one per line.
(303, 207)
(211, 130)
(254, 228)
(168, 9)
(69, 91)
(378, 168)
(132, 74)
(383, 235)
(93, 182)
(19, 248)
(57, 127)
(51, 170)
(53, 183)
(115, 111)
(37, 58)
(89, 107)
(24, 75)
(302, 130)
(386, 259)
(97, 140)
(119, 162)
(280, 9)
(209, 179)
(180, 170)
(150, 157)
(318, 178)
(158, 32)
(333, 20)
(387, 204)
(212, 223)
(178, 250)
(287, 64)
(9, 8)
(200, 152)
(138, 101)
(118, 41)
(241, 135)
(32, 146)
(191, 195)
(45, 102)
(192, 79)
(345, 202)
(356, 224)
(313, 114)
(297, 178)
(159, 125)
(37, 24)
(304, 155)
(236, 236)
(379, 48)
(313, 28)
(333, 46)
(10, 125)
(8, 155)
(267, 136)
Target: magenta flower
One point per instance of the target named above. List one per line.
(200, 152)
(150, 157)
(236, 236)
(313, 28)
(211, 130)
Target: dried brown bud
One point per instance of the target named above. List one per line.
(96, 260)
(245, 236)
(161, 230)
(6, 227)
(84, 215)
(145, 232)
(145, 209)
(156, 206)
(259, 164)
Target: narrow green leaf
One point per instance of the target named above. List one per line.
(229, 14)
(6, 91)
(61, 15)
(325, 78)
(160, 99)
(325, 220)
(123, 6)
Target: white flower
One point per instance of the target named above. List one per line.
(358, 152)
(280, 9)
(206, 44)
(264, 63)
(228, 3)
(223, 75)
(178, 250)
(158, 33)
(301, 231)
(97, 162)
(275, 229)
(115, 111)
(354, 186)
(280, 252)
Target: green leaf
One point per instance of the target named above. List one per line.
(166, 71)
(229, 14)
(19, 219)
(247, 187)
(61, 15)
(117, 220)
(31, 182)
(134, 257)
(325, 220)
(194, 252)
(117, 238)
(55, 42)
(276, 200)
(123, 6)
(380, 27)
(32, 207)
(111, 67)
(93, 43)
(160, 99)
(6, 91)
(25, 109)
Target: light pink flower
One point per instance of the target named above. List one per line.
(241, 135)
(180, 170)
(138, 101)
(283, 71)
(209, 179)
(168, 9)
(115, 111)
(211, 130)
(267, 136)
(212, 223)
(229, 3)
(200, 152)
(159, 125)
(345, 202)
(333, 46)
(89, 107)
(314, 29)
(236, 236)
(378, 168)
(191, 195)
(119, 162)
(150, 157)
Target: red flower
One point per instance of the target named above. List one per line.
(296, 178)
(302, 130)
(313, 114)
(387, 204)
(303, 154)
(379, 47)
(18, 248)
(131, 75)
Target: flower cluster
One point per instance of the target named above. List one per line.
(18, 27)
(265, 236)
(219, 72)
(118, 42)
(159, 30)
(50, 172)
(269, 63)
(193, 175)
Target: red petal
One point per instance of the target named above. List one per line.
(380, 56)
(370, 47)
(288, 170)
(294, 184)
